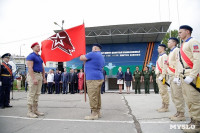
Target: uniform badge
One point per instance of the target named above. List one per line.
(195, 46)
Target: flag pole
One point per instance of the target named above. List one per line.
(84, 71)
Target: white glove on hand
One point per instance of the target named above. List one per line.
(176, 80)
(188, 80)
(0, 83)
(160, 78)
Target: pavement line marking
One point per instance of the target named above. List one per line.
(67, 120)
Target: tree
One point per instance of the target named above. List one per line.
(174, 33)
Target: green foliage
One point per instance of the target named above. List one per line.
(174, 33)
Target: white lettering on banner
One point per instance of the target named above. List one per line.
(121, 53)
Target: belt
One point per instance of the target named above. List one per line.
(37, 72)
(6, 75)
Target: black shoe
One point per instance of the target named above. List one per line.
(8, 106)
(2, 107)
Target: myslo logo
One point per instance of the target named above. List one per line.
(181, 126)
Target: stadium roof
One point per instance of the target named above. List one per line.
(127, 33)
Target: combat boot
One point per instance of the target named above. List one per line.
(193, 127)
(175, 115)
(165, 109)
(179, 117)
(93, 116)
(35, 109)
(99, 114)
(163, 105)
(30, 112)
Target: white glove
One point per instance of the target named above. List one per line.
(188, 80)
(160, 78)
(0, 83)
(176, 80)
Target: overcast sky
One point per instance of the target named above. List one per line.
(23, 22)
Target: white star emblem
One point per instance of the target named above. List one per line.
(58, 40)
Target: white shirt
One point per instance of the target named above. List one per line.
(50, 77)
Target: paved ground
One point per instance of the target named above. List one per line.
(127, 113)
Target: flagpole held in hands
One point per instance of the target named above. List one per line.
(84, 82)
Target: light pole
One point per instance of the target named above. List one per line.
(21, 48)
(60, 64)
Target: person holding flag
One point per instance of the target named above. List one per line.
(94, 63)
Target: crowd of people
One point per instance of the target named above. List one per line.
(146, 76)
(65, 82)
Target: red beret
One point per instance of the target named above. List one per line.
(36, 43)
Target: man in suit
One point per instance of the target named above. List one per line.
(71, 81)
(64, 79)
(103, 85)
(57, 80)
(76, 81)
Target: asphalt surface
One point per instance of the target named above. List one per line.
(64, 113)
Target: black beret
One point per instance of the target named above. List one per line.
(162, 45)
(98, 45)
(187, 27)
(6, 55)
(175, 39)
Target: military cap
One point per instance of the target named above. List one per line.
(187, 27)
(162, 45)
(6, 55)
(98, 45)
(175, 39)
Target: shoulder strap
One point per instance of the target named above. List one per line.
(8, 68)
(185, 58)
(159, 67)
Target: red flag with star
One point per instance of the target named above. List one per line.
(65, 45)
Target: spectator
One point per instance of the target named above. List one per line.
(103, 85)
(57, 80)
(71, 81)
(81, 81)
(128, 79)
(64, 80)
(50, 80)
(120, 79)
(76, 81)
(19, 82)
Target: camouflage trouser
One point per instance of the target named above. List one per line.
(137, 86)
(163, 91)
(34, 90)
(192, 99)
(155, 86)
(177, 95)
(94, 93)
(146, 85)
